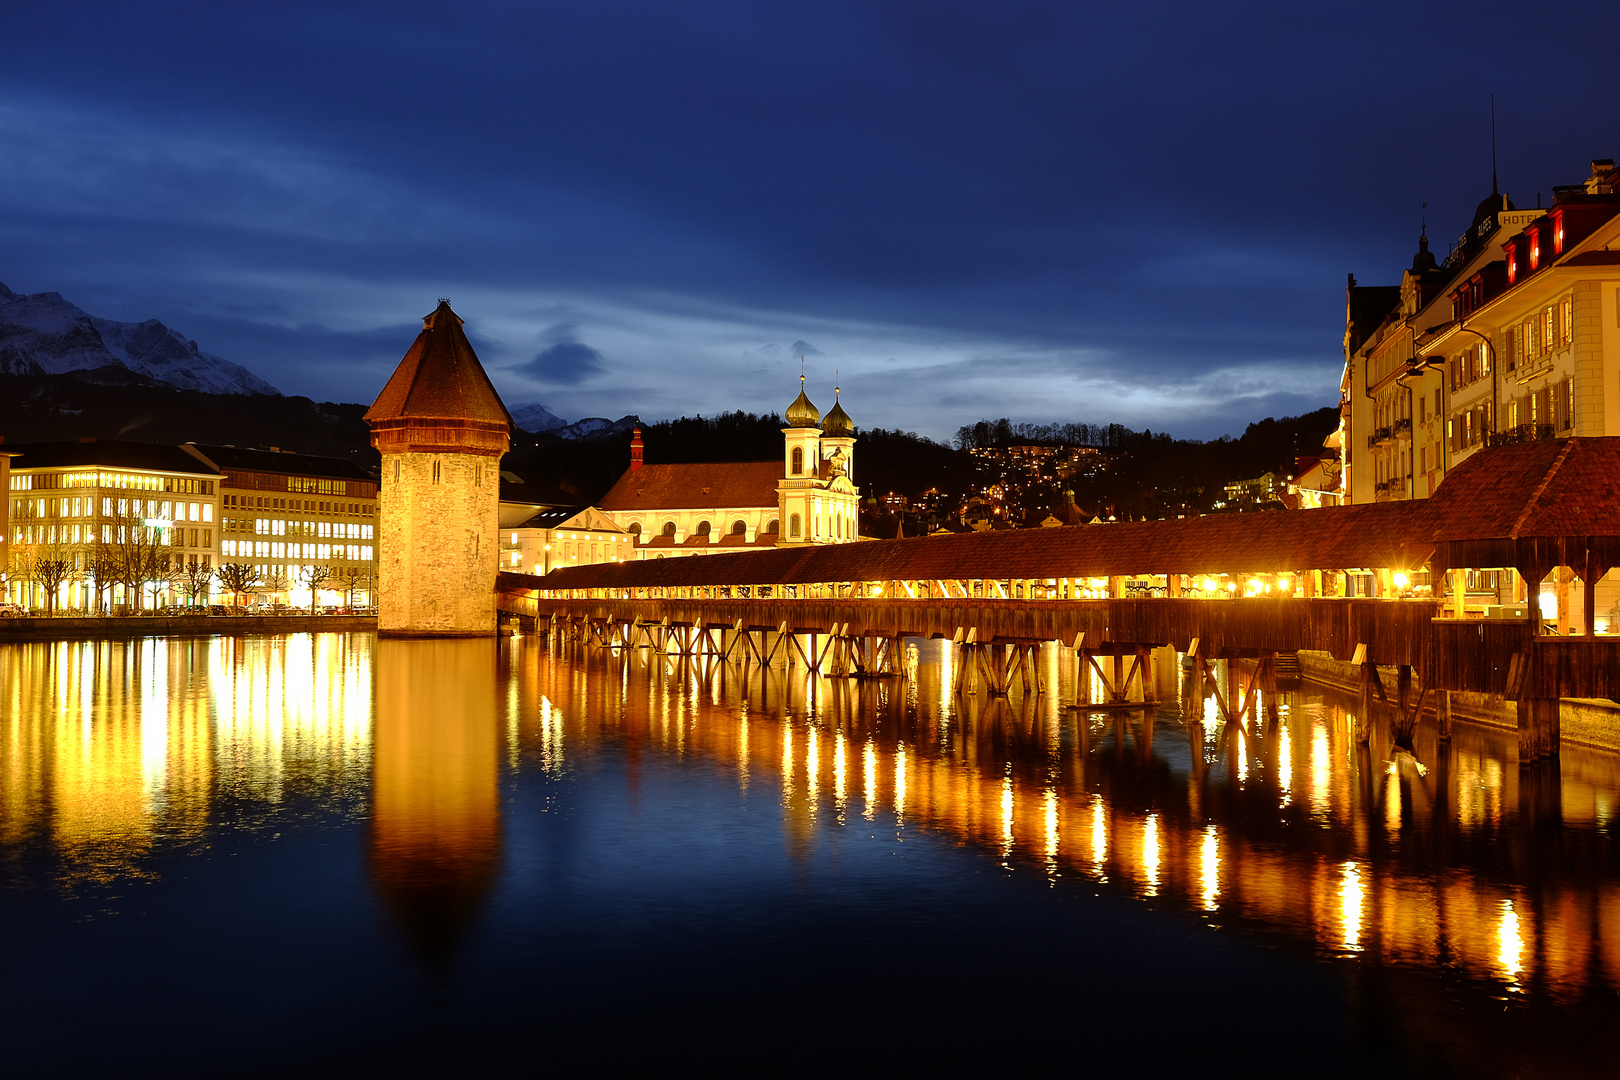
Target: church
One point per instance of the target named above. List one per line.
(806, 497)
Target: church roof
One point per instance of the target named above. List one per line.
(440, 378)
(802, 413)
(837, 424)
(698, 485)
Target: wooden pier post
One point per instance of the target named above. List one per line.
(1538, 729)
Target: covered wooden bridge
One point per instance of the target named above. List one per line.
(1384, 584)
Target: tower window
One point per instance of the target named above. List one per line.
(739, 528)
(435, 470)
(669, 528)
(798, 462)
(793, 523)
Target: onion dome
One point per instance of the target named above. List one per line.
(837, 424)
(801, 413)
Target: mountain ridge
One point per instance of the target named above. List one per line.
(47, 334)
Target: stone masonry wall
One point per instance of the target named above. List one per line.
(438, 544)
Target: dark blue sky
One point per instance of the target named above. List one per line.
(1054, 212)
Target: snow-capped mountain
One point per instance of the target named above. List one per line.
(598, 427)
(44, 334)
(533, 416)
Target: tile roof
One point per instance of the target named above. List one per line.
(1567, 487)
(701, 485)
(440, 378)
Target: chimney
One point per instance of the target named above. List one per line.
(1601, 182)
(635, 448)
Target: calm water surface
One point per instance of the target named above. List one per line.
(336, 854)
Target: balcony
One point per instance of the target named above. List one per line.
(1379, 435)
(1402, 427)
(1522, 434)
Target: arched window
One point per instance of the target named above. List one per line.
(739, 528)
(702, 529)
(773, 526)
(635, 531)
(669, 528)
(793, 526)
(798, 460)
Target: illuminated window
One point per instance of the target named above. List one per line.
(1566, 321)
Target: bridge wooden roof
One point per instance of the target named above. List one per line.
(1384, 534)
(1533, 506)
(1508, 506)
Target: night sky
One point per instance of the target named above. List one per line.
(1140, 213)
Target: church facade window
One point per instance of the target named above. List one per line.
(793, 526)
(798, 461)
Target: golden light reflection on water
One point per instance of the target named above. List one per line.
(435, 822)
(107, 749)
(1510, 954)
(106, 746)
(1049, 803)
(1211, 863)
(1351, 896)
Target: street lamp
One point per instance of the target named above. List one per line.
(1496, 397)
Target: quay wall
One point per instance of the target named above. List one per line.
(91, 628)
(1591, 722)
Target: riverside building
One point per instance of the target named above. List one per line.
(1513, 337)
(307, 525)
(100, 522)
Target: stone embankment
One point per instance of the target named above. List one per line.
(80, 628)
(1588, 722)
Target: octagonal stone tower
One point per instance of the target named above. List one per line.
(441, 429)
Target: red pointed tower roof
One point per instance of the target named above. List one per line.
(439, 398)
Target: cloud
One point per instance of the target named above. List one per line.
(804, 348)
(566, 363)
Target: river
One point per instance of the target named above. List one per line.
(331, 853)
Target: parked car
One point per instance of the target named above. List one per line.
(9, 610)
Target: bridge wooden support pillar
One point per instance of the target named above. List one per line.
(1442, 713)
(1370, 683)
(1265, 676)
(1538, 729)
(1116, 687)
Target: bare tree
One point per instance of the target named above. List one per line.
(314, 577)
(238, 579)
(195, 580)
(351, 578)
(47, 563)
(134, 549)
(162, 576)
(276, 580)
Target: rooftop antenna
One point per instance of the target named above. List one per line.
(1493, 145)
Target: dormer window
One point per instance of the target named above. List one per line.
(1558, 233)
(1535, 248)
